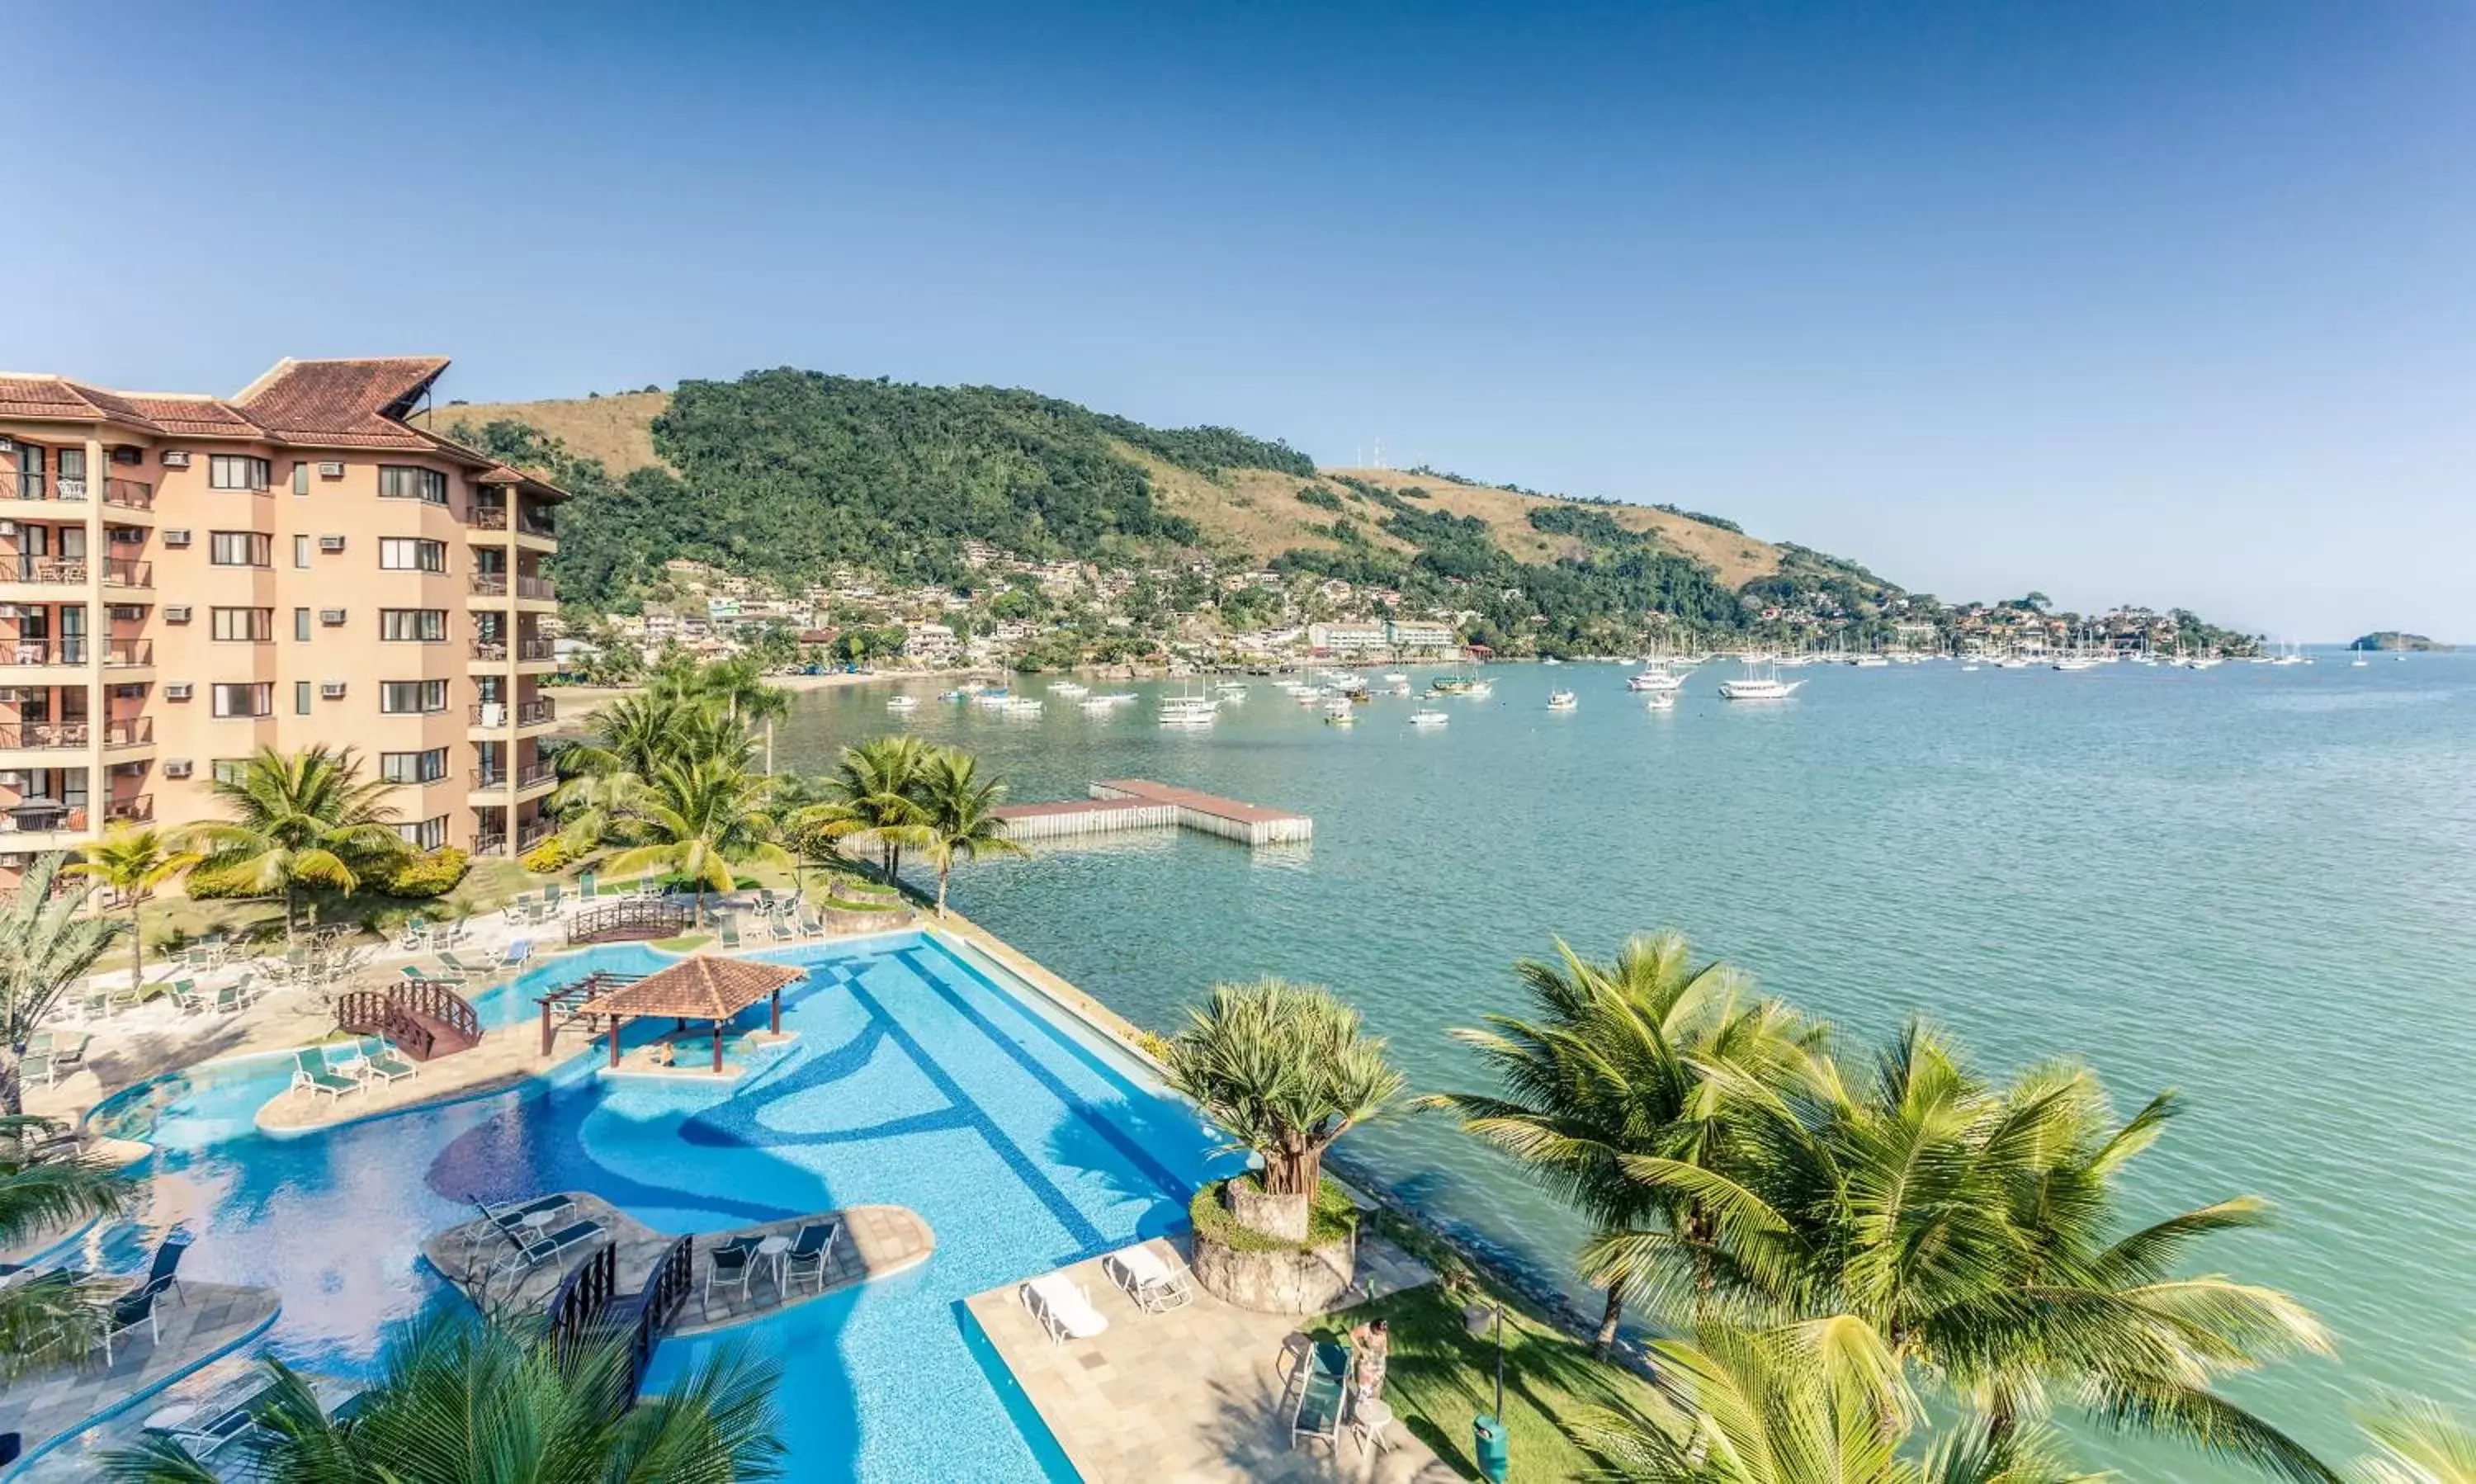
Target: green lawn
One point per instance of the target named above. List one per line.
(1440, 1376)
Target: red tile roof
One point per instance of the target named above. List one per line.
(349, 403)
(202, 417)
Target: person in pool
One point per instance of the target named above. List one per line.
(1372, 1341)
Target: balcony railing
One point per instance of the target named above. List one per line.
(129, 494)
(524, 713)
(541, 526)
(18, 484)
(528, 777)
(62, 570)
(42, 651)
(489, 843)
(534, 831)
(489, 585)
(44, 737)
(15, 822)
(134, 732)
(130, 811)
(535, 587)
(525, 649)
(487, 517)
(124, 653)
(121, 572)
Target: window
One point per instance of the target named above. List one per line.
(301, 625)
(300, 476)
(301, 698)
(229, 770)
(413, 767)
(244, 626)
(412, 626)
(428, 835)
(236, 471)
(403, 697)
(403, 554)
(246, 700)
(240, 548)
(301, 550)
(402, 481)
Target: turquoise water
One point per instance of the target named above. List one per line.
(915, 1080)
(2255, 885)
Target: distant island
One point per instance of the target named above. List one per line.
(2393, 639)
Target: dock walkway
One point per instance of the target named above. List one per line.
(1140, 803)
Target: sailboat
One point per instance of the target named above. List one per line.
(1760, 682)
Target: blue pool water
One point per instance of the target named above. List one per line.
(918, 1078)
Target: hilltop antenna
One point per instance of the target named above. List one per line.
(1379, 453)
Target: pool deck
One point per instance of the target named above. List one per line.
(1195, 1396)
(202, 1322)
(876, 1241)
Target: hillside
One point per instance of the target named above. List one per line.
(1256, 511)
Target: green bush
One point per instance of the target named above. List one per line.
(204, 885)
(548, 858)
(433, 874)
(1333, 1216)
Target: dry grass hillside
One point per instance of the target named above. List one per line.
(1256, 510)
(617, 429)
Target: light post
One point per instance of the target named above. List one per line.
(1488, 1441)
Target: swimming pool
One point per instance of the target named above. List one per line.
(922, 1076)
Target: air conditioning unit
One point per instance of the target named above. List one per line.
(332, 690)
(331, 543)
(123, 453)
(330, 617)
(7, 443)
(176, 613)
(174, 458)
(330, 469)
(7, 528)
(178, 690)
(493, 714)
(178, 768)
(129, 612)
(176, 538)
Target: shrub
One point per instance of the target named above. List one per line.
(1333, 1216)
(548, 856)
(433, 874)
(206, 885)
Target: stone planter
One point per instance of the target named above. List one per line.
(1285, 1280)
(1276, 1216)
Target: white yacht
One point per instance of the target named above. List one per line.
(1759, 682)
(1660, 700)
(1187, 711)
(1428, 717)
(1562, 700)
(1021, 705)
(1870, 661)
(1395, 678)
(1069, 688)
(1655, 676)
(903, 703)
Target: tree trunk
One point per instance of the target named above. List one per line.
(941, 891)
(137, 948)
(1605, 1339)
(698, 918)
(291, 911)
(12, 1086)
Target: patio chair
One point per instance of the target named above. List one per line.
(381, 1060)
(551, 895)
(506, 1219)
(228, 999)
(516, 953)
(296, 967)
(463, 970)
(531, 1250)
(36, 1068)
(810, 1248)
(246, 987)
(781, 927)
(416, 935)
(1322, 1397)
(731, 1262)
(163, 1273)
(68, 1052)
(198, 960)
(586, 886)
(729, 935)
(96, 1006)
(650, 886)
(1155, 1285)
(811, 926)
(185, 994)
(204, 1434)
(310, 1072)
(130, 1310)
(1063, 1308)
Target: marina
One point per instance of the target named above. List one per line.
(1140, 803)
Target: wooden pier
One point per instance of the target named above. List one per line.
(1140, 803)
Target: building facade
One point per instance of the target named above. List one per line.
(187, 579)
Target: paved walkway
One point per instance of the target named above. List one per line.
(203, 1321)
(876, 1240)
(1196, 1395)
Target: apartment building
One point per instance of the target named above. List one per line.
(186, 580)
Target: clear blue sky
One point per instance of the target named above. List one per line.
(2135, 301)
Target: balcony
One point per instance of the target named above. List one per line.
(139, 811)
(541, 526)
(133, 732)
(128, 653)
(486, 517)
(489, 585)
(526, 650)
(536, 587)
(43, 736)
(129, 494)
(524, 713)
(43, 652)
(534, 831)
(532, 776)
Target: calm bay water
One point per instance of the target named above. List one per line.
(2255, 885)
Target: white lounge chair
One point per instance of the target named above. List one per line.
(1063, 1308)
(1155, 1285)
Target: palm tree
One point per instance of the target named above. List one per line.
(700, 817)
(1620, 1062)
(2418, 1442)
(134, 860)
(301, 819)
(876, 789)
(960, 814)
(1285, 1069)
(460, 1402)
(46, 1188)
(48, 941)
(1978, 1233)
(1799, 1406)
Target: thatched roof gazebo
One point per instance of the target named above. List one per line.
(699, 988)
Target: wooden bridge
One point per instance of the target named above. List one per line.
(629, 920)
(588, 1310)
(426, 1019)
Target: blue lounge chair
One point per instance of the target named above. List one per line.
(163, 1273)
(731, 1262)
(531, 1250)
(1321, 1394)
(810, 1248)
(215, 1431)
(310, 1071)
(507, 1219)
(130, 1310)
